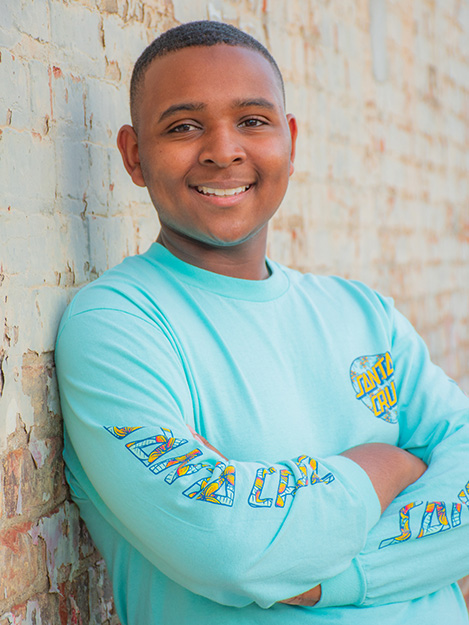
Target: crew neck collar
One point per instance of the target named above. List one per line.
(237, 288)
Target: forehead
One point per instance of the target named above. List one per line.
(209, 75)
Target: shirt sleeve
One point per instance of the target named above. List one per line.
(126, 405)
(421, 542)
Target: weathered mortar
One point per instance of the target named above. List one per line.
(380, 193)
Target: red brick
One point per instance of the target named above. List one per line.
(22, 564)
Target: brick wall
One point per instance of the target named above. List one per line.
(380, 193)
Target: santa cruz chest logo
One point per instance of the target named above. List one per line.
(373, 382)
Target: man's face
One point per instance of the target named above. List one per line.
(214, 146)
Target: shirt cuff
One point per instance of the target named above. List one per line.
(346, 588)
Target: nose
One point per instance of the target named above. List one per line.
(222, 147)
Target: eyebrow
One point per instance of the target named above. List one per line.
(200, 106)
(183, 106)
(259, 102)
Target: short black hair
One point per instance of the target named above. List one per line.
(201, 33)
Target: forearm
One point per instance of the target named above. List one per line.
(390, 470)
(425, 531)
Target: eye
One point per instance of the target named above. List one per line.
(253, 122)
(182, 128)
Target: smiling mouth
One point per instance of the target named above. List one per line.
(222, 192)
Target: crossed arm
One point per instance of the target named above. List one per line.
(390, 470)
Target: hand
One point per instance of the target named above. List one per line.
(309, 598)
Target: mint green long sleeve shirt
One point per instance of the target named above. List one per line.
(281, 376)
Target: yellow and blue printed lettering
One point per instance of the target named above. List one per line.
(434, 509)
(404, 526)
(384, 400)
(434, 518)
(314, 479)
(463, 496)
(219, 486)
(255, 500)
(146, 451)
(183, 466)
(456, 514)
(288, 484)
(121, 432)
(285, 488)
(372, 379)
(218, 490)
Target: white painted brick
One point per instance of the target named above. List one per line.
(325, 27)
(98, 188)
(110, 109)
(336, 73)
(12, 401)
(76, 38)
(27, 16)
(28, 239)
(9, 37)
(298, 60)
(49, 304)
(27, 175)
(455, 129)
(214, 10)
(14, 94)
(229, 12)
(252, 27)
(124, 50)
(75, 245)
(125, 192)
(189, 11)
(40, 97)
(72, 168)
(318, 158)
(75, 27)
(146, 227)
(278, 15)
(355, 78)
(68, 96)
(109, 242)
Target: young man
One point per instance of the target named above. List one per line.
(236, 432)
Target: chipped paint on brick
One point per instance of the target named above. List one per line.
(60, 533)
(2, 375)
(40, 450)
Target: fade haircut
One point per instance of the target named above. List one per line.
(202, 33)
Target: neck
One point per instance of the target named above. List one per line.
(245, 260)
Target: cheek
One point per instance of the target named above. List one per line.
(279, 157)
(159, 177)
(157, 163)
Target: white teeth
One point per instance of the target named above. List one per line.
(222, 192)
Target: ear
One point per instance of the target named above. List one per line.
(127, 142)
(292, 125)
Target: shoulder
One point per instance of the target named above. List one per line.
(128, 287)
(338, 291)
(127, 290)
